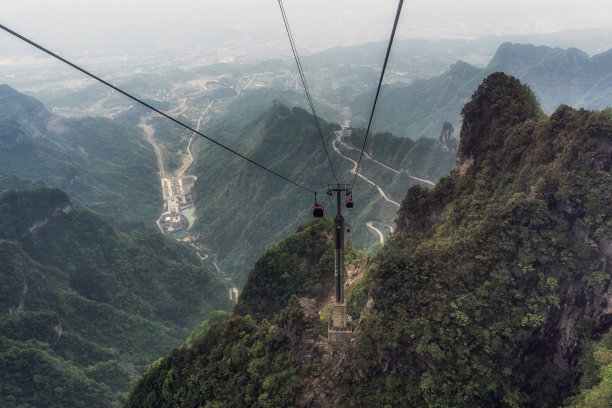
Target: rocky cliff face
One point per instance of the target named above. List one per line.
(524, 211)
(448, 132)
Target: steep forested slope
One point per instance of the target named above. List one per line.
(86, 308)
(595, 389)
(240, 361)
(301, 264)
(104, 164)
(499, 276)
(489, 294)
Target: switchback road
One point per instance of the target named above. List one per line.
(354, 169)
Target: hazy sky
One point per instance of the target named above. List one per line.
(317, 24)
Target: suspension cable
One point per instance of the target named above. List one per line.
(382, 74)
(308, 97)
(261, 166)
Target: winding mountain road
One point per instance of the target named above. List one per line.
(148, 129)
(381, 237)
(338, 139)
(369, 224)
(354, 169)
(188, 163)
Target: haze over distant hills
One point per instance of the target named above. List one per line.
(104, 164)
(59, 86)
(557, 76)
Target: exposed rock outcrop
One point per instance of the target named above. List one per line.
(325, 362)
(448, 132)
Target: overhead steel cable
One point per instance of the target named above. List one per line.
(134, 98)
(303, 77)
(382, 74)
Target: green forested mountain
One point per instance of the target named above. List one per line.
(87, 308)
(248, 360)
(104, 164)
(595, 389)
(557, 76)
(242, 210)
(494, 291)
(501, 271)
(301, 264)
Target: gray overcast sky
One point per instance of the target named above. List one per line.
(316, 24)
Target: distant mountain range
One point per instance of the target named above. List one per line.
(557, 76)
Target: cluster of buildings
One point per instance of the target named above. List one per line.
(177, 198)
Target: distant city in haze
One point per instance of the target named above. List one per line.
(122, 40)
(254, 30)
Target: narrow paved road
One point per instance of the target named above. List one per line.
(186, 165)
(246, 86)
(148, 129)
(381, 237)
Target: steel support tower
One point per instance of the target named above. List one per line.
(339, 329)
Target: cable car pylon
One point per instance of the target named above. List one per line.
(340, 329)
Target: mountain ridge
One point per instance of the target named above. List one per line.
(487, 293)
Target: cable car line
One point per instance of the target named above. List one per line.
(136, 99)
(382, 74)
(301, 72)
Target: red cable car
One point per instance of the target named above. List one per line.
(317, 209)
(348, 229)
(349, 203)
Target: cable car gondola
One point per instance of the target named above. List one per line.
(317, 209)
(349, 203)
